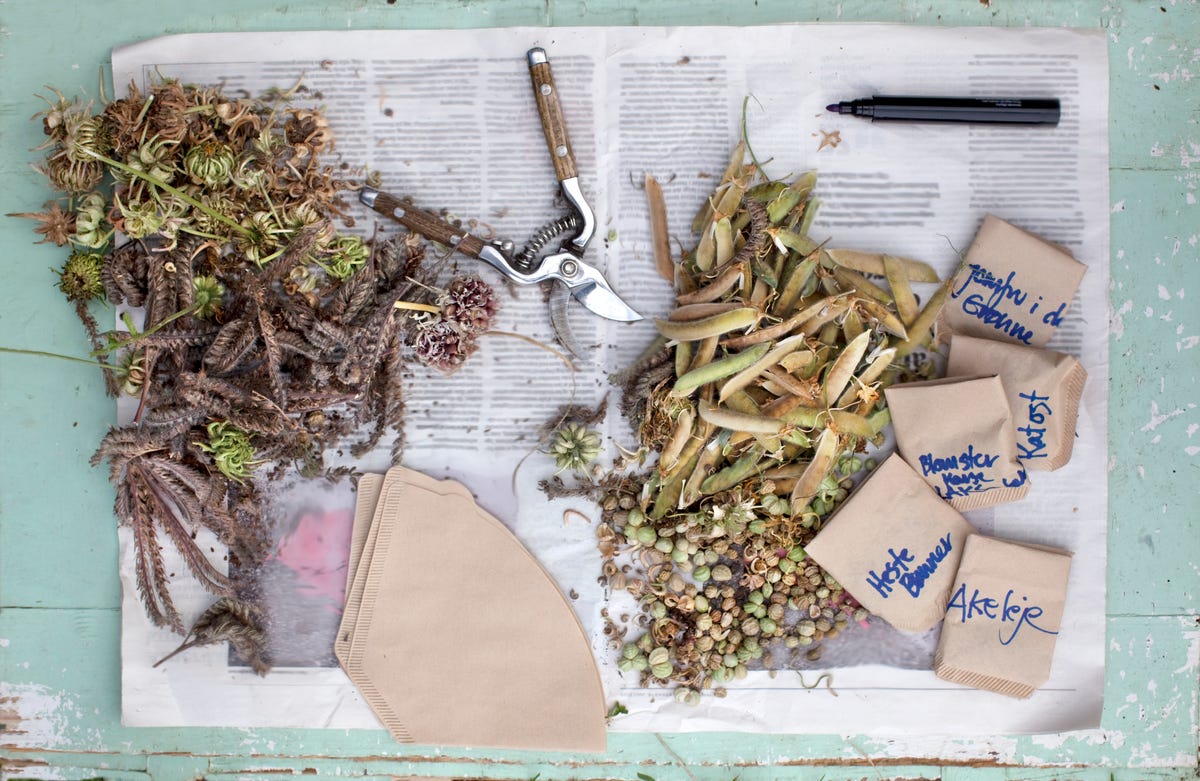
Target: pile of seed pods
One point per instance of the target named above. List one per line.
(761, 398)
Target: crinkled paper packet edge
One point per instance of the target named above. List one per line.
(976, 501)
(1076, 380)
(976, 680)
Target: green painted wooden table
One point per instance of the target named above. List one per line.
(59, 592)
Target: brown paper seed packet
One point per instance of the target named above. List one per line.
(1014, 286)
(894, 545)
(1003, 617)
(958, 434)
(1043, 387)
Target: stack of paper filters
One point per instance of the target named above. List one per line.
(452, 631)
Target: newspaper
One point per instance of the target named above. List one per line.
(447, 118)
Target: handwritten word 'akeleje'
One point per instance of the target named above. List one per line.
(1034, 432)
(979, 608)
(913, 579)
(1002, 304)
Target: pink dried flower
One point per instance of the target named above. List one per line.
(443, 346)
(471, 304)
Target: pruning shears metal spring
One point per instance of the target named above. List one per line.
(527, 267)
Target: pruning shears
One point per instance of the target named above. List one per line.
(585, 282)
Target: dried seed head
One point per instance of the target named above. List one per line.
(210, 164)
(208, 294)
(575, 446)
(55, 225)
(471, 303)
(79, 279)
(443, 346)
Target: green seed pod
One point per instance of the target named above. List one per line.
(767, 626)
(744, 654)
(658, 610)
(740, 672)
(640, 663)
(664, 544)
(636, 517)
(797, 554)
(645, 644)
(629, 651)
(625, 665)
(662, 671)
(806, 628)
(659, 655)
(767, 590)
(721, 573)
(787, 566)
(646, 535)
(757, 526)
(679, 555)
(701, 603)
(702, 573)
(730, 660)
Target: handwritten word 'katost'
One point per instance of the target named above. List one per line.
(977, 607)
(1031, 442)
(1002, 305)
(898, 570)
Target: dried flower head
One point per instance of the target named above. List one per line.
(575, 446)
(210, 163)
(347, 254)
(470, 303)
(56, 226)
(79, 279)
(131, 372)
(208, 294)
(90, 230)
(231, 450)
(443, 346)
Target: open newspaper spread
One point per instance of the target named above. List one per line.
(447, 118)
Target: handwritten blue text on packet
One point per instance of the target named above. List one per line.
(1002, 305)
(1034, 431)
(913, 579)
(980, 608)
(963, 473)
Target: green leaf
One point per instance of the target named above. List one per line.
(617, 709)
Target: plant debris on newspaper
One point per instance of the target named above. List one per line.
(760, 398)
(268, 336)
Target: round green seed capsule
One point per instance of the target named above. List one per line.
(646, 535)
(629, 651)
(701, 603)
(658, 610)
(679, 555)
(797, 554)
(659, 656)
(664, 544)
(662, 671)
(756, 598)
(636, 517)
(721, 573)
(767, 626)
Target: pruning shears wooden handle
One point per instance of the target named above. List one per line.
(551, 113)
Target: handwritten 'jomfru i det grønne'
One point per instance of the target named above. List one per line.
(1001, 304)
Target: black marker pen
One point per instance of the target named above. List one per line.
(1006, 111)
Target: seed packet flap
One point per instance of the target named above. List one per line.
(894, 545)
(958, 434)
(1043, 387)
(1003, 617)
(1014, 286)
